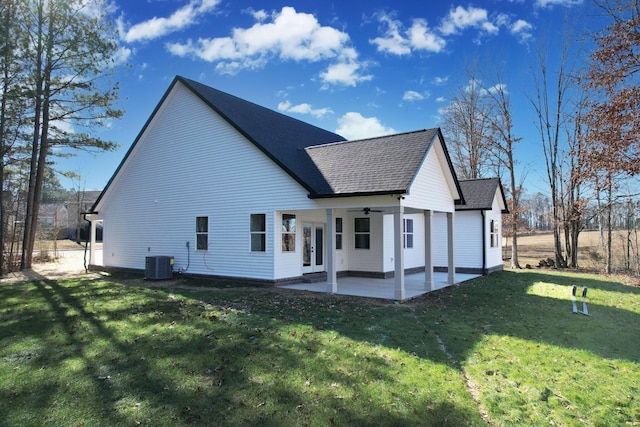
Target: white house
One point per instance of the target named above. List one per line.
(232, 189)
(478, 228)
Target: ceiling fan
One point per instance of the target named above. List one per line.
(366, 211)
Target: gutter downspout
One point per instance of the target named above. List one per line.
(484, 243)
(86, 243)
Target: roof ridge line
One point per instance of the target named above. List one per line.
(370, 139)
(478, 179)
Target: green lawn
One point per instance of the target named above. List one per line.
(504, 349)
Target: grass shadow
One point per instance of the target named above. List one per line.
(107, 354)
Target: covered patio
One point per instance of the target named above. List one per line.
(381, 288)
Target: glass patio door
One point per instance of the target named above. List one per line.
(312, 248)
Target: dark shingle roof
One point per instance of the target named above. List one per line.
(280, 137)
(381, 165)
(321, 161)
(479, 193)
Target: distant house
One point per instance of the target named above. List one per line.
(76, 206)
(64, 219)
(232, 189)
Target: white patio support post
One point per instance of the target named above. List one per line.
(92, 243)
(428, 251)
(451, 267)
(398, 229)
(332, 274)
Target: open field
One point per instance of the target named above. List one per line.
(504, 350)
(532, 248)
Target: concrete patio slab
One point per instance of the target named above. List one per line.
(381, 288)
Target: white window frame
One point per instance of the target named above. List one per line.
(361, 233)
(262, 234)
(202, 245)
(406, 234)
(494, 234)
(288, 232)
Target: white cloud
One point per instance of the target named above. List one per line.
(392, 42)
(422, 37)
(304, 108)
(566, 3)
(412, 95)
(258, 15)
(472, 17)
(441, 99)
(355, 126)
(521, 29)
(122, 55)
(439, 81)
(475, 85)
(98, 8)
(344, 73)
(400, 42)
(158, 27)
(289, 36)
(498, 87)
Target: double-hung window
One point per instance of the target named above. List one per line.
(494, 235)
(202, 233)
(408, 233)
(258, 233)
(362, 233)
(338, 233)
(288, 233)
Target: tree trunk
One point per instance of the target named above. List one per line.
(31, 218)
(515, 207)
(609, 268)
(40, 147)
(2, 209)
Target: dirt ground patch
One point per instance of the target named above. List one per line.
(70, 263)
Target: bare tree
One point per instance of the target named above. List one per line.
(504, 143)
(467, 127)
(572, 202)
(549, 103)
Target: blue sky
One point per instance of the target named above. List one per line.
(357, 68)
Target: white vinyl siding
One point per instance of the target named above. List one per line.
(190, 162)
(468, 241)
(430, 188)
(361, 259)
(413, 257)
(494, 254)
(440, 240)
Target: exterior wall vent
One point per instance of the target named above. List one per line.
(158, 267)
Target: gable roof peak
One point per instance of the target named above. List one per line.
(381, 165)
(480, 192)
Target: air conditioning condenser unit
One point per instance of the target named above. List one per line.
(158, 267)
